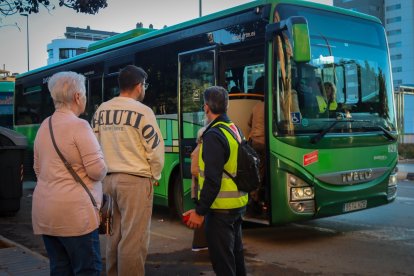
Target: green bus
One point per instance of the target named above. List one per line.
(6, 101)
(317, 164)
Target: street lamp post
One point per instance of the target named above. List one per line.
(199, 7)
(27, 39)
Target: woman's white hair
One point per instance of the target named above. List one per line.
(64, 85)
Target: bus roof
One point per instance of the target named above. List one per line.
(118, 38)
(136, 35)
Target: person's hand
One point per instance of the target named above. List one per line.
(154, 182)
(194, 220)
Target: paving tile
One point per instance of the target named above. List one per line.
(17, 261)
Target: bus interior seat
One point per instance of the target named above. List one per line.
(235, 89)
(239, 112)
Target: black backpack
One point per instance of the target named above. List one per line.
(247, 176)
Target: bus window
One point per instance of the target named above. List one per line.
(34, 106)
(94, 88)
(245, 79)
(351, 78)
(254, 78)
(111, 88)
(161, 66)
(242, 68)
(197, 74)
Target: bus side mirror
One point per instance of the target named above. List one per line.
(297, 28)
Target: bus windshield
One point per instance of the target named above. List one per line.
(346, 79)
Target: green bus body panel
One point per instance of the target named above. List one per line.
(118, 38)
(161, 191)
(339, 157)
(375, 192)
(169, 131)
(329, 198)
(30, 132)
(187, 202)
(6, 86)
(329, 202)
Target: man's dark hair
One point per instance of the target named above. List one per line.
(130, 76)
(217, 98)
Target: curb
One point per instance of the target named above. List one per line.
(401, 175)
(405, 176)
(11, 243)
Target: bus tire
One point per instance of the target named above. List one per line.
(178, 196)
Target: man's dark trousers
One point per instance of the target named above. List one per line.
(224, 238)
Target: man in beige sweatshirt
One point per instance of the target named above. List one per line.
(133, 149)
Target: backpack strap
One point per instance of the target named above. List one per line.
(229, 130)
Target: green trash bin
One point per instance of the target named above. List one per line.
(12, 148)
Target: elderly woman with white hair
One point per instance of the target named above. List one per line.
(62, 210)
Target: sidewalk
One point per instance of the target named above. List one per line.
(16, 259)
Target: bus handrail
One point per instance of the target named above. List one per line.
(245, 95)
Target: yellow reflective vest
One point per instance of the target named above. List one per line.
(323, 104)
(229, 197)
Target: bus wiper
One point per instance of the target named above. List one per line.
(315, 139)
(385, 132)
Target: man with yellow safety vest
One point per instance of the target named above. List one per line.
(220, 203)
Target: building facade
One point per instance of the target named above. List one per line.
(397, 16)
(399, 25)
(76, 42)
(371, 7)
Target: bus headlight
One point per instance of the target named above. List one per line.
(294, 181)
(392, 185)
(302, 193)
(393, 180)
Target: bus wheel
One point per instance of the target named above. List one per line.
(178, 197)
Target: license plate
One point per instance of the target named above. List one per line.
(356, 205)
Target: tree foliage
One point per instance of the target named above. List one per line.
(9, 7)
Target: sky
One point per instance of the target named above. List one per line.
(119, 16)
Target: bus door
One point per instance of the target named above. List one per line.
(196, 72)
